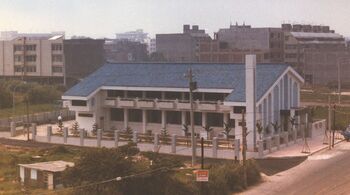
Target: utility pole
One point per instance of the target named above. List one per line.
(329, 123)
(244, 149)
(192, 87)
(333, 126)
(339, 82)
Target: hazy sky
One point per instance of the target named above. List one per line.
(103, 18)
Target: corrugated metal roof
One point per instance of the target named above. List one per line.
(208, 76)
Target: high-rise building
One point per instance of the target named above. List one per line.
(181, 47)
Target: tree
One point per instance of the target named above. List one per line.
(185, 130)
(94, 129)
(75, 128)
(276, 126)
(260, 129)
(227, 130)
(5, 97)
(164, 135)
(208, 129)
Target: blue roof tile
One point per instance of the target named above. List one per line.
(223, 76)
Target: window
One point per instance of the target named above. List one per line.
(214, 96)
(173, 117)
(173, 95)
(117, 114)
(197, 118)
(115, 93)
(18, 58)
(223, 45)
(79, 103)
(58, 69)
(25, 69)
(238, 109)
(154, 116)
(30, 47)
(30, 58)
(85, 115)
(134, 94)
(17, 48)
(215, 119)
(135, 115)
(33, 174)
(153, 94)
(56, 47)
(57, 58)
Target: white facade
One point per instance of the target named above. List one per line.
(32, 56)
(151, 108)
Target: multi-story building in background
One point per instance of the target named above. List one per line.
(32, 56)
(230, 45)
(125, 51)
(133, 36)
(152, 47)
(181, 47)
(82, 57)
(315, 51)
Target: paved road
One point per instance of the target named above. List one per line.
(327, 172)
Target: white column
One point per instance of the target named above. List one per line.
(126, 118)
(226, 118)
(250, 94)
(183, 118)
(204, 119)
(288, 92)
(163, 119)
(144, 121)
(282, 93)
(292, 103)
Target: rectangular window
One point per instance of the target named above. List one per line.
(198, 118)
(214, 96)
(79, 103)
(154, 116)
(18, 58)
(135, 115)
(238, 109)
(33, 174)
(134, 94)
(153, 94)
(115, 93)
(173, 117)
(58, 69)
(215, 119)
(17, 48)
(85, 115)
(30, 47)
(30, 58)
(26, 69)
(173, 95)
(57, 58)
(117, 114)
(56, 47)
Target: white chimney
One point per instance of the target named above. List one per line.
(250, 98)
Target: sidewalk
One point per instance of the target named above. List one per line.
(315, 144)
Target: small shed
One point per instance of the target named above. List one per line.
(43, 174)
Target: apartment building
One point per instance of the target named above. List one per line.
(32, 56)
(231, 44)
(311, 49)
(125, 51)
(181, 47)
(154, 96)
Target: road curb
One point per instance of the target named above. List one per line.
(324, 148)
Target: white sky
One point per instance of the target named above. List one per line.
(104, 18)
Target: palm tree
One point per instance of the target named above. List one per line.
(185, 130)
(208, 129)
(275, 126)
(259, 128)
(227, 130)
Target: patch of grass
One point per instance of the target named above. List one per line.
(20, 109)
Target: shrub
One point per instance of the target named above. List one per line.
(5, 98)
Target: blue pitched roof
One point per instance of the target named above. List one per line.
(171, 75)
